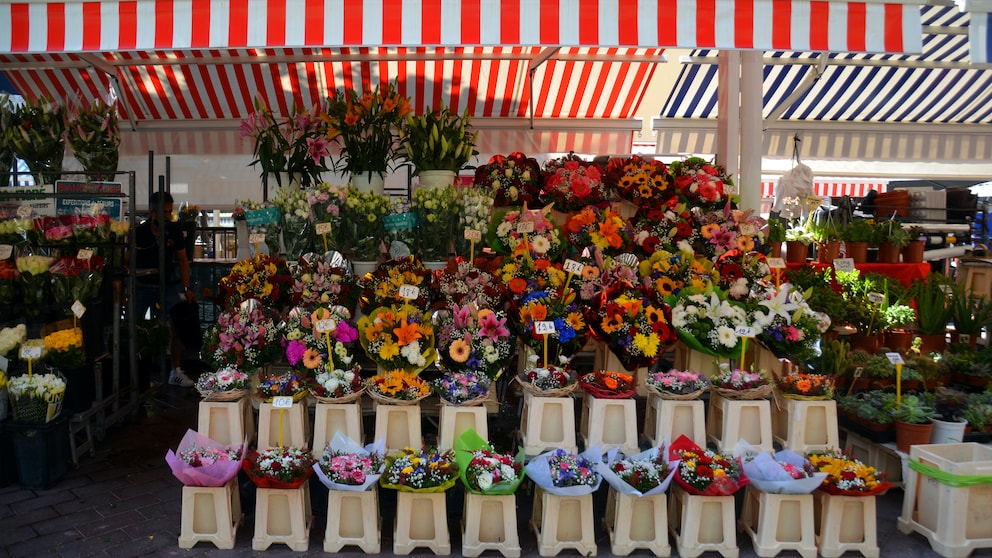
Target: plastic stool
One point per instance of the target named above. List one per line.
(482, 531)
(421, 521)
(702, 524)
(805, 426)
(609, 423)
(211, 514)
(295, 426)
(455, 420)
(634, 522)
(846, 524)
(669, 418)
(398, 425)
(778, 522)
(330, 418)
(226, 422)
(353, 519)
(548, 423)
(563, 522)
(732, 420)
(283, 516)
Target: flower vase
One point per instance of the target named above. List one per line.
(436, 178)
(244, 248)
(369, 181)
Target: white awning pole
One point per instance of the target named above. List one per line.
(728, 142)
(752, 140)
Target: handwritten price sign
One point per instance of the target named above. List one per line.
(776, 263)
(572, 266)
(282, 402)
(256, 238)
(844, 264)
(744, 331)
(409, 292)
(525, 227)
(544, 328)
(325, 326)
(472, 234)
(322, 228)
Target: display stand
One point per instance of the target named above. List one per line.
(421, 521)
(563, 522)
(295, 426)
(283, 516)
(777, 522)
(211, 515)
(732, 420)
(330, 418)
(805, 426)
(695, 361)
(489, 522)
(609, 423)
(604, 359)
(701, 524)
(669, 419)
(845, 524)
(456, 420)
(883, 457)
(353, 520)
(398, 426)
(637, 522)
(227, 422)
(547, 423)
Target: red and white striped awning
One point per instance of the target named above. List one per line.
(833, 188)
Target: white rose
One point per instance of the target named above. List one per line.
(485, 481)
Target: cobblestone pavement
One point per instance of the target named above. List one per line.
(123, 501)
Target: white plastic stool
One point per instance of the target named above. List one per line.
(455, 420)
(805, 426)
(669, 418)
(609, 423)
(489, 522)
(398, 425)
(634, 522)
(211, 514)
(563, 522)
(845, 524)
(421, 521)
(548, 423)
(226, 422)
(731, 420)
(295, 426)
(778, 522)
(330, 418)
(283, 516)
(353, 519)
(702, 524)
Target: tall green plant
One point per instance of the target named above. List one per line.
(934, 303)
(968, 313)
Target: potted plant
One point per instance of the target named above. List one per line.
(898, 320)
(933, 309)
(912, 252)
(95, 137)
(890, 237)
(797, 241)
(36, 133)
(857, 235)
(439, 144)
(969, 315)
(880, 372)
(948, 420)
(774, 237)
(826, 235)
(912, 419)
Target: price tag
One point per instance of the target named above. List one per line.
(947, 289)
(256, 238)
(84, 254)
(858, 371)
(472, 234)
(30, 352)
(325, 326)
(24, 211)
(876, 298)
(544, 328)
(844, 264)
(730, 189)
(322, 228)
(282, 402)
(572, 266)
(409, 292)
(97, 207)
(5, 251)
(78, 309)
(775, 263)
(964, 338)
(744, 331)
(524, 227)
(894, 358)
(748, 229)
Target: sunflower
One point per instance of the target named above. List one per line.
(665, 285)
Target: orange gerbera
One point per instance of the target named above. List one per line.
(459, 350)
(541, 264)
(745, 243)
(538, 311)
(311, 359)
(590, 272)
(576, 320)
(517, 285)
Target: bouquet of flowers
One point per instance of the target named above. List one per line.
(786, 472)
(10, 289)
(200, 461)
(11, 339)
(282, 384)
(802, 385)
(700, 182)
(847, 476)
(369, 126)
(225, 384)
(326, 203)
(645, 474)
(789, 327)
(95, 137)
(567, 474)
(741, 272)
(477, 339)
(36, 134)
(634, 325)
(602, 228)
(423, 470)
(398, 338)
(245, 337)
(438, 140)
(279, 467)
(735, 383)
(35, 282)
(457, 388)
(678, 384)
(437, 213)
(522, 276)
(571, 329)
(75, 279)
(337, 383)
(296, 145)
(707, 322)
(665, 272)
(462, 283)
(608, 384)
(571, 184)
(53, 231)
(296, 226)
(36, 398)
(323, 280)
(89, 228)
(475, 208)
(64, 348)
(548, 380)
(346, 465)
(706, 472)
(263, 278)
(484, 471)
(391, 282)
(362, 224)
(398, 387)
(514, 179)
(725, 229)
(528, 233)
(639, 181)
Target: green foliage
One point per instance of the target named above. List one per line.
(898, 316)
(932, 303)
(858, 230)
(912, 409)
(776, 230)
(438, 140)
(968, 313)
(891, 231)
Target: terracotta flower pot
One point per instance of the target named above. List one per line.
(866, 343)
(827, 252)
(972, 340)
(795, 251)
(774, 249)
(910, 434)
(888, 253)
(899, 339)
(857, 251)
(933, 343)
(913, 252)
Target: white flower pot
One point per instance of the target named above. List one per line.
(436, 178)
(947, 432)
(369, 182)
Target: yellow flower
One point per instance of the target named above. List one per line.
(647, 344)
(389, 350)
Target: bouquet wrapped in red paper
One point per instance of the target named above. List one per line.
(200, 461)
(705, 472)
(279, 467)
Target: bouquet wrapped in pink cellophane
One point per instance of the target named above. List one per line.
(200, 461)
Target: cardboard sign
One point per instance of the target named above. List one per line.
(775, 263)
(30, 352)
(544, 328)
(322, 228)
(259, 217)
(744, 331)
(894, 358)
(876, 298)
(78, 309)
(409, 292)
(325, 326)
(572, 266)
(472, 234)
(84, 254)
(525, 227)
(282, 402)
(844, 264)
(256, 238)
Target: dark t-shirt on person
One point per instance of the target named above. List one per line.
(146, 245)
